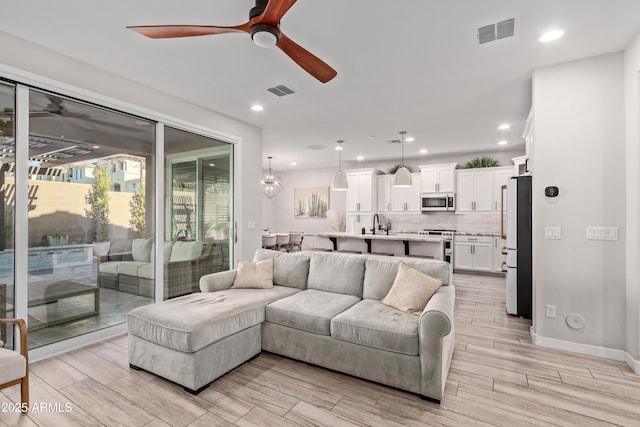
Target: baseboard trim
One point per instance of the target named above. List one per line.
(590, 350)
(633, 363)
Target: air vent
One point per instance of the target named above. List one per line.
(487, 34)
(501, 30)
(505, 28)
(280, 90)
(316, 147)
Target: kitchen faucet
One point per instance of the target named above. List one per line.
(373, 229)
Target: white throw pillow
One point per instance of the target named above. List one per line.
(254, 275)
(411, 290)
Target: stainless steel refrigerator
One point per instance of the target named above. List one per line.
(519, 251)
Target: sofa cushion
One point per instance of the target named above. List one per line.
(120, 250)
(211, 317)
(288, 269)
(110, 267)
(373, 324)
(185, 251)
(146, 271)
(141, 249)
(130, 268)
(380, 273)
(254, 275)
(343, 274)
(310, 310)
(411, 290)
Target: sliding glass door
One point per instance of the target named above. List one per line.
(7, 190)
(90, 220)
(198, 209)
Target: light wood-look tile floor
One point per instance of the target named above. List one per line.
(497, 377)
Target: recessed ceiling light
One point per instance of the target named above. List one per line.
(257, 107)
(293, 163)
(410, 139)
(423, 151)
(212, 165)
(95, 147)
(551, 36)
(503, 142)
(360, 158)
(339, 148)
(504, 126)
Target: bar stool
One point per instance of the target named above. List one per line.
(295, 241)
(269, 242)
(282, 242)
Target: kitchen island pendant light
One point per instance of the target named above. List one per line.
(340, 182)
(270, 183)
(402, 177)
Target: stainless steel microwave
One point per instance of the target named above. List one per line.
(433, 202)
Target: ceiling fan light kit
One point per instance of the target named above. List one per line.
(402, 177)
(264, 28)
(264, 35)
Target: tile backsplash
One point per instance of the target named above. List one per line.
(471, 223)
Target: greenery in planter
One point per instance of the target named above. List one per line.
(137, 211)
(482, 162)
(392, 170)
(98, 200)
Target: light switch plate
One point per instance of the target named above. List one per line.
(251, 225)
(552, 233)
(602, 233)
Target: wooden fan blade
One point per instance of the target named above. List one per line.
(173, 31)
(274, 11)
(307, 60)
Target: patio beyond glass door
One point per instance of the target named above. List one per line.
(198, 208)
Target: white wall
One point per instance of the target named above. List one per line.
(632, 156)
(65, 74)
(580, 148)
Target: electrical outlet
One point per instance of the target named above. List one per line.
(550, 311)
(251, 225)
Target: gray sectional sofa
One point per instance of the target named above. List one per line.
(324, 308)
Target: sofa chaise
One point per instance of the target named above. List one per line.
(323, 308)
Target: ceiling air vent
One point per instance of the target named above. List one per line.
(501, 30)
(394, 141)
(316, 147)
(280, 90)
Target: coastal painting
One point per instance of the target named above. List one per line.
(310, 202)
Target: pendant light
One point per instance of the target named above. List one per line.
(340, 182)
(270, 183)
(402, 178)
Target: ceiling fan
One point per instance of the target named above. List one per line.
(264, 27)
(53, 108)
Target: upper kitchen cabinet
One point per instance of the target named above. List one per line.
(385, 183)
(438, 178)
(479, 190)
(502, 176)
(407, 199)
(363, 190)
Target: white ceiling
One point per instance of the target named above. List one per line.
(412, 65)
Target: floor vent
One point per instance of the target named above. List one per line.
(280, 90)
(501, 30)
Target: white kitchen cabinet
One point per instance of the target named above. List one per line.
(384, 193)
(407, 199)
(363, 190)
(356, 221)
(475, 190)
(501, 177)
(473, 253)
(498, 258)
(438, 178)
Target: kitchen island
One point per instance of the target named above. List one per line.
(398, 244)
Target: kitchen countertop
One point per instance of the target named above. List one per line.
(412, 237)
(483, 233)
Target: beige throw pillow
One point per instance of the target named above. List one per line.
(254, 275)
(411, 289)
